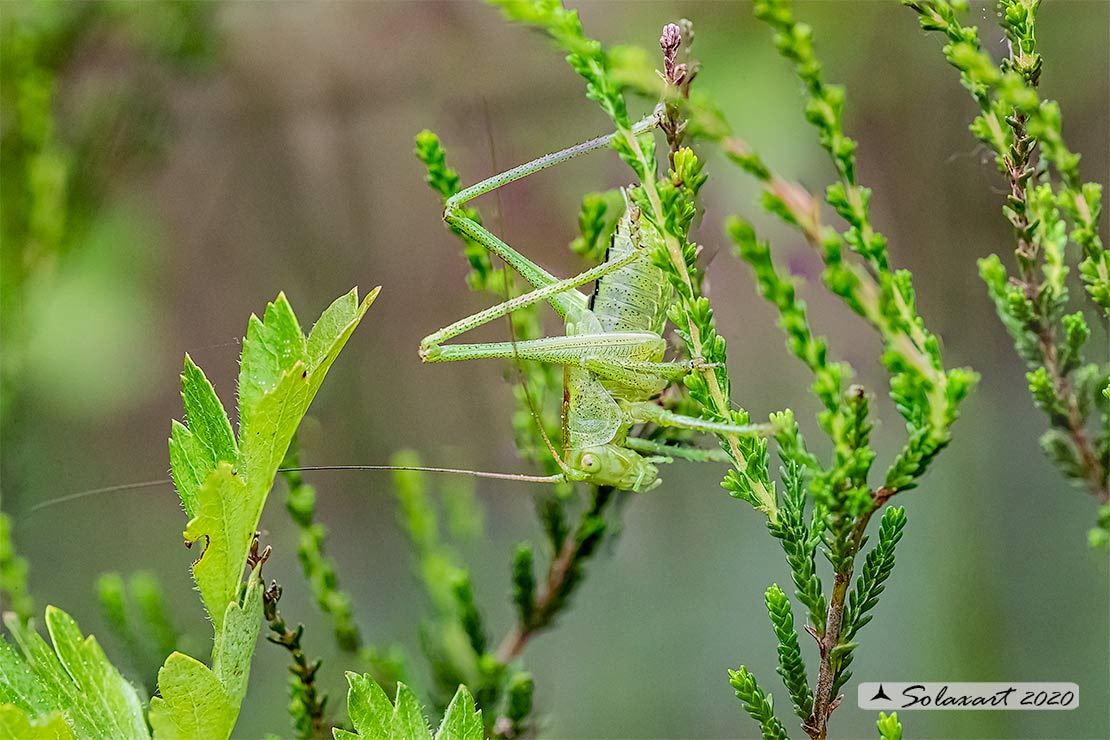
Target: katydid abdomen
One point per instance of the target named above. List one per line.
(635, 297)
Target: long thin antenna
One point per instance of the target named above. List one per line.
(419, 469)
(506, 281)
(307, 468)
(96, 491)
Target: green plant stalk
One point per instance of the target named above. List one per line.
(829, 638)
(307, 705)
(721, 406)
(563, 578)
(13, 575)
(1014, 122)
(137, 613)
(319, 569)
(926, 395)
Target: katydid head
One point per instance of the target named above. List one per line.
(613, 465)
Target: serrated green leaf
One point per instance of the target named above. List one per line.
(368, 706)
(190, 463)
(409, 722)
(75, 678)
(19, 686)
(193, 703)
(461, 721)
(202, 702)
(334, 327)
(223, 527)
(234, 644)
(17, 724)
(278, 379)
(205, 414)
(223, 483)
(375, 718)
(272, 346)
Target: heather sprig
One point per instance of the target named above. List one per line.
(927, 395)
(13, 574)
(756, 703)
(136, 611)
(319, 569)
(889, 726)
(455, 638)
(307, 704)
(1049, 207)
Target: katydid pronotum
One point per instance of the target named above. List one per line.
(612, 353)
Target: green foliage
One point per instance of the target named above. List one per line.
(518, 706)
(306, 703)
(16, 723)
(839, 492)
(596, 221)
(13, 574)
(137, 613)
(74, 680)
(1099, 536)
(792, 667)
(375, 718)
(524, 583)
(453, 640)
(798, 540)
(56, 173)
(889, 727)
(865, 596)
(198, 701)
(761, 707)
(223, 482)
(876, 569)
(1048, 206)
(319, 569)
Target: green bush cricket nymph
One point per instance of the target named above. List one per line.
(612, 353)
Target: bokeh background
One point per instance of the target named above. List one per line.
(239, 149)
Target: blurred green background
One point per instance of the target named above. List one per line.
(234, 150)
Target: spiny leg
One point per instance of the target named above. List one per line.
(453, 214)
(645, 411)
(683, 452)
(621, 363)
(432, 349)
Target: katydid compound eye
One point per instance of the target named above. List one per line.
(590, 463)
